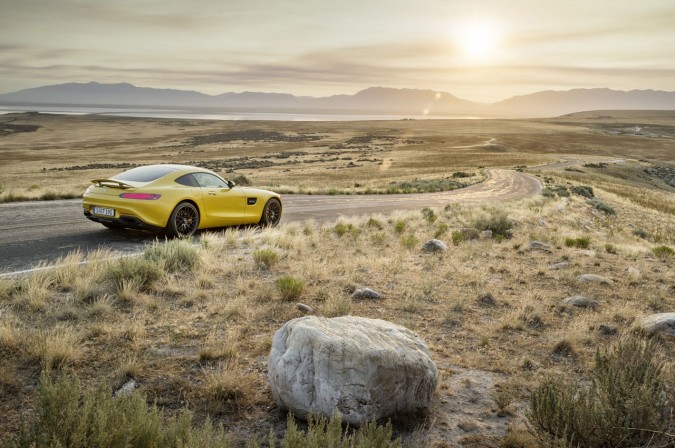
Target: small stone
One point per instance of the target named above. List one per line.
(486, 234)
(434, 246)
(587, 252)
(594, 279)
(469, 233)
(581, 302)
(126, 389)
(634, 272)
(304, 308)
(366, 293)
(663, 323)
(538, 245)
(558, 266)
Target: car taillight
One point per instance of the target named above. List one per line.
(144, 196)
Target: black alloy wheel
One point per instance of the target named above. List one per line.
(183, 221)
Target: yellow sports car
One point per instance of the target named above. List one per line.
(178, 199)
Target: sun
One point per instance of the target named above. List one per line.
(478, 41)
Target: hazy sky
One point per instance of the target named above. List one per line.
(477, 50)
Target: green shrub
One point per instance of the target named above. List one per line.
(599, 205)
(461, 174)
(561, 191)
(328, 433)
(425, 186)
(441, 230)
(374, 223)
(663, 252)
(241, 180)
(70, 418)
(583, 242)
(173, 255)
(429, 215)
(547, 193)
(497, 222)
(137, 270)
(399, 226)
(289, 287)
(265, 258)
(457, 237)
(611, 248)
(583, 190)
(627, 404)
(640, 233)
(342, 229)
(409, 241)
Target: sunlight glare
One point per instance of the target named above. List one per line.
(478, 41)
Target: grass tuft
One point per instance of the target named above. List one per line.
(265, 258)
(176, 255)
(290, 288)
(583, 242)
(663, 252)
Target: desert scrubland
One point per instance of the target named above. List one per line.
(188, 325)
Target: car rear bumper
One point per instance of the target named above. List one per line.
(131, 222)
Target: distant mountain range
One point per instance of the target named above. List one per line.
(375, 100)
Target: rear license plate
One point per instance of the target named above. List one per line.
(104, 211)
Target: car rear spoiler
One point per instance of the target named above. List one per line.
(111, 183)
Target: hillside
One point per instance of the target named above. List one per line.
(376, 100)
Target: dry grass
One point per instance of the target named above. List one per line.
(353, 158)
(215, 324)
(197, 332)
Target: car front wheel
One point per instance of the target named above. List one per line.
(183, 221)
(271, 214)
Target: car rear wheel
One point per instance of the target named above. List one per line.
(183, 221)
(271, 214)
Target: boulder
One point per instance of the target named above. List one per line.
(663, 323)
(367, 369)
(592, 278)
(434, 246)
(486, 234)
(581, 302)
(469, 233)
(366, 293)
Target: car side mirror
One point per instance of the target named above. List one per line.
(231, 184)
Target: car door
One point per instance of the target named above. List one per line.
(223, 205)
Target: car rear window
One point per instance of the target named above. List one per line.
(145, 173)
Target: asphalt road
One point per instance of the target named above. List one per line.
(32, 233)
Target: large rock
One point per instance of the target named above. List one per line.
(368, 369)
(663, 323)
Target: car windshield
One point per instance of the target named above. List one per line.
(145, 173)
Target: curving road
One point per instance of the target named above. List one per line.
(35, 232)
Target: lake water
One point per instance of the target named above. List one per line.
(205, 114)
